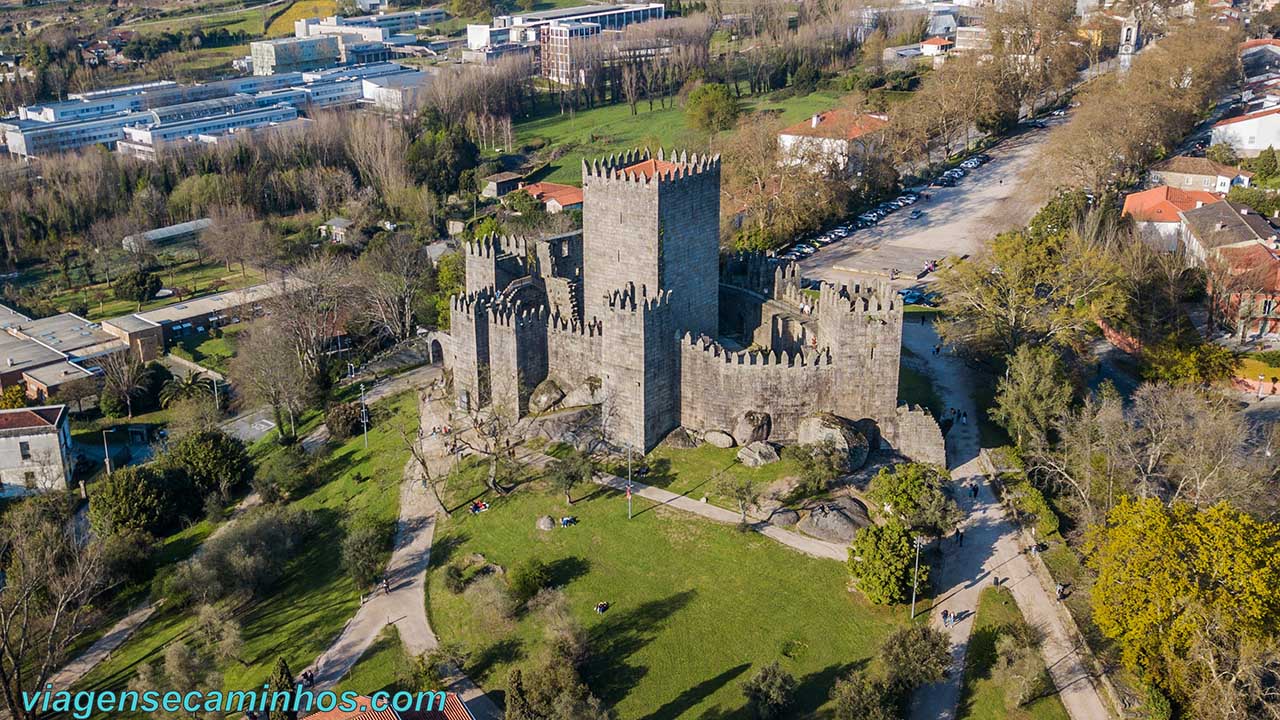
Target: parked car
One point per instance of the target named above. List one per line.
(944, 181)
(1058, 113)
(970, 164)
(915, 214)
(911, 296)
(806, 250)
(982, 158)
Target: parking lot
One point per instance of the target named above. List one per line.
(1000, 195)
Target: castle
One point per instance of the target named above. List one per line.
(637, 312)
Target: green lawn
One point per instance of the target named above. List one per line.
(249, 20)
(695, 472)
(316, 597)
(916, 388)
(214, 353)
(599, 131)
(982, 698)
(199, 278)
(696, 607)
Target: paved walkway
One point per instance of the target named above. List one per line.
(992, 549)
(796, 541)
(405, 605)
(73, 671)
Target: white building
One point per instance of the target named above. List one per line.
(527, 27)
(1251, 133)
(35, 450)
(832, 138)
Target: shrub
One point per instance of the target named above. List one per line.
(915, 494)
(1018, 667)
(712, 108)
(286, 475)
(770, 692)
(126, 554)
(528, 578)
(249, 557)
(213, 461)
(343, 420)
(453, 580)
(914, 657)
(491, 595)
(881, 561)
(364, 549)
(112, 405)
(141, 497)
(1033, 508)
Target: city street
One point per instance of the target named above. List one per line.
(1001, 195)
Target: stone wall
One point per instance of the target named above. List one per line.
(862, 326)
(916, 434)
(717, 386)
(518, 357)
(639, 368)
(469, 328)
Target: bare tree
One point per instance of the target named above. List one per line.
(392, 276)
(311, 313)
(53, 573)
(122, 376)
(267, 369)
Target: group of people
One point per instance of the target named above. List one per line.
(601, 607)
(949, 618)
(440, 430)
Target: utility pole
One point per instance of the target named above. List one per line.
(364, 417)
(628, 482)
(915, 578)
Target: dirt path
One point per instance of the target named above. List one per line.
(992, 550)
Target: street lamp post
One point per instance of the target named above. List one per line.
(915, 578)
(364, 417)
(106, 452)
(628, 482)
(1261, 379)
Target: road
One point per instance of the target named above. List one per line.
(958, 220)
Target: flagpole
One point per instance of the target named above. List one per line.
(628, 482)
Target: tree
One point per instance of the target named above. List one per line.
(123, 378)
(712, 108)
(882, 561)
(1033, 394)
(770, 692)
(394, 274)
(567, 472)
(191, 385)
(194, 415)
(819, 464)
(184, 671)
(311, 314)
(741, 490)
(916, 495)
(1200, 364)
(138, 286)
(1023, 289)
(232, 236)
(344, 420)
(1163, 570)
(860, 696)
(213, 461)
(528, 578)
(364, 549)
(53, 574)
(219, 634)
(1264, 166)
(266, 369)
(913, 657)
(13, 397)
(1222, 153)
(141, 497)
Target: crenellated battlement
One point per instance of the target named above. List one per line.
(468, 303)
(515, 315)
(566, 325)
(492, 245)
(704, 349)
(874, 298)
(629, 300)
(643, 169)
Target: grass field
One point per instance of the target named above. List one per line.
(1250, 368)
(982, 698)
(190, 274)
(214, 353)
(695, 472)
(249, 20)
(612, 128)
(282, 25)
(696, 607)
(316, 597)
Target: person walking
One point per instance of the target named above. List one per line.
(946, 619)
(960, 537)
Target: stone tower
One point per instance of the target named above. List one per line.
(1130, 42)
(654, 223)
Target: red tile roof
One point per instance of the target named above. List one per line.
(838, 124)
(940, 41)
(650, 167)
(1163, 203)
(25, 418)
(1258, 262)
(544, 192)
(1259, 42)
(1248, 116)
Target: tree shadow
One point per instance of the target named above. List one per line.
(566, 570)
(502, 652)
(621, 635)
(685, 701)
(813, 690)
(443, 549)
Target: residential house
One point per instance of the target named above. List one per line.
(555, 197)
(1251, 133)
(1259, 56)
(1157, 213)
(35, 450)
(337, 230)
(1244, 248)
(835, 139)
(1198, 173)
(499, 184)
(935, 46)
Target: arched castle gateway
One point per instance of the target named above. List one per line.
(638, 311)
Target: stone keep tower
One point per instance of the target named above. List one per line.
(653, 223)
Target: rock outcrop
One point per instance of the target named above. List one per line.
(719, 438)
(752, 427)
(826, 427)
(757, 454)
